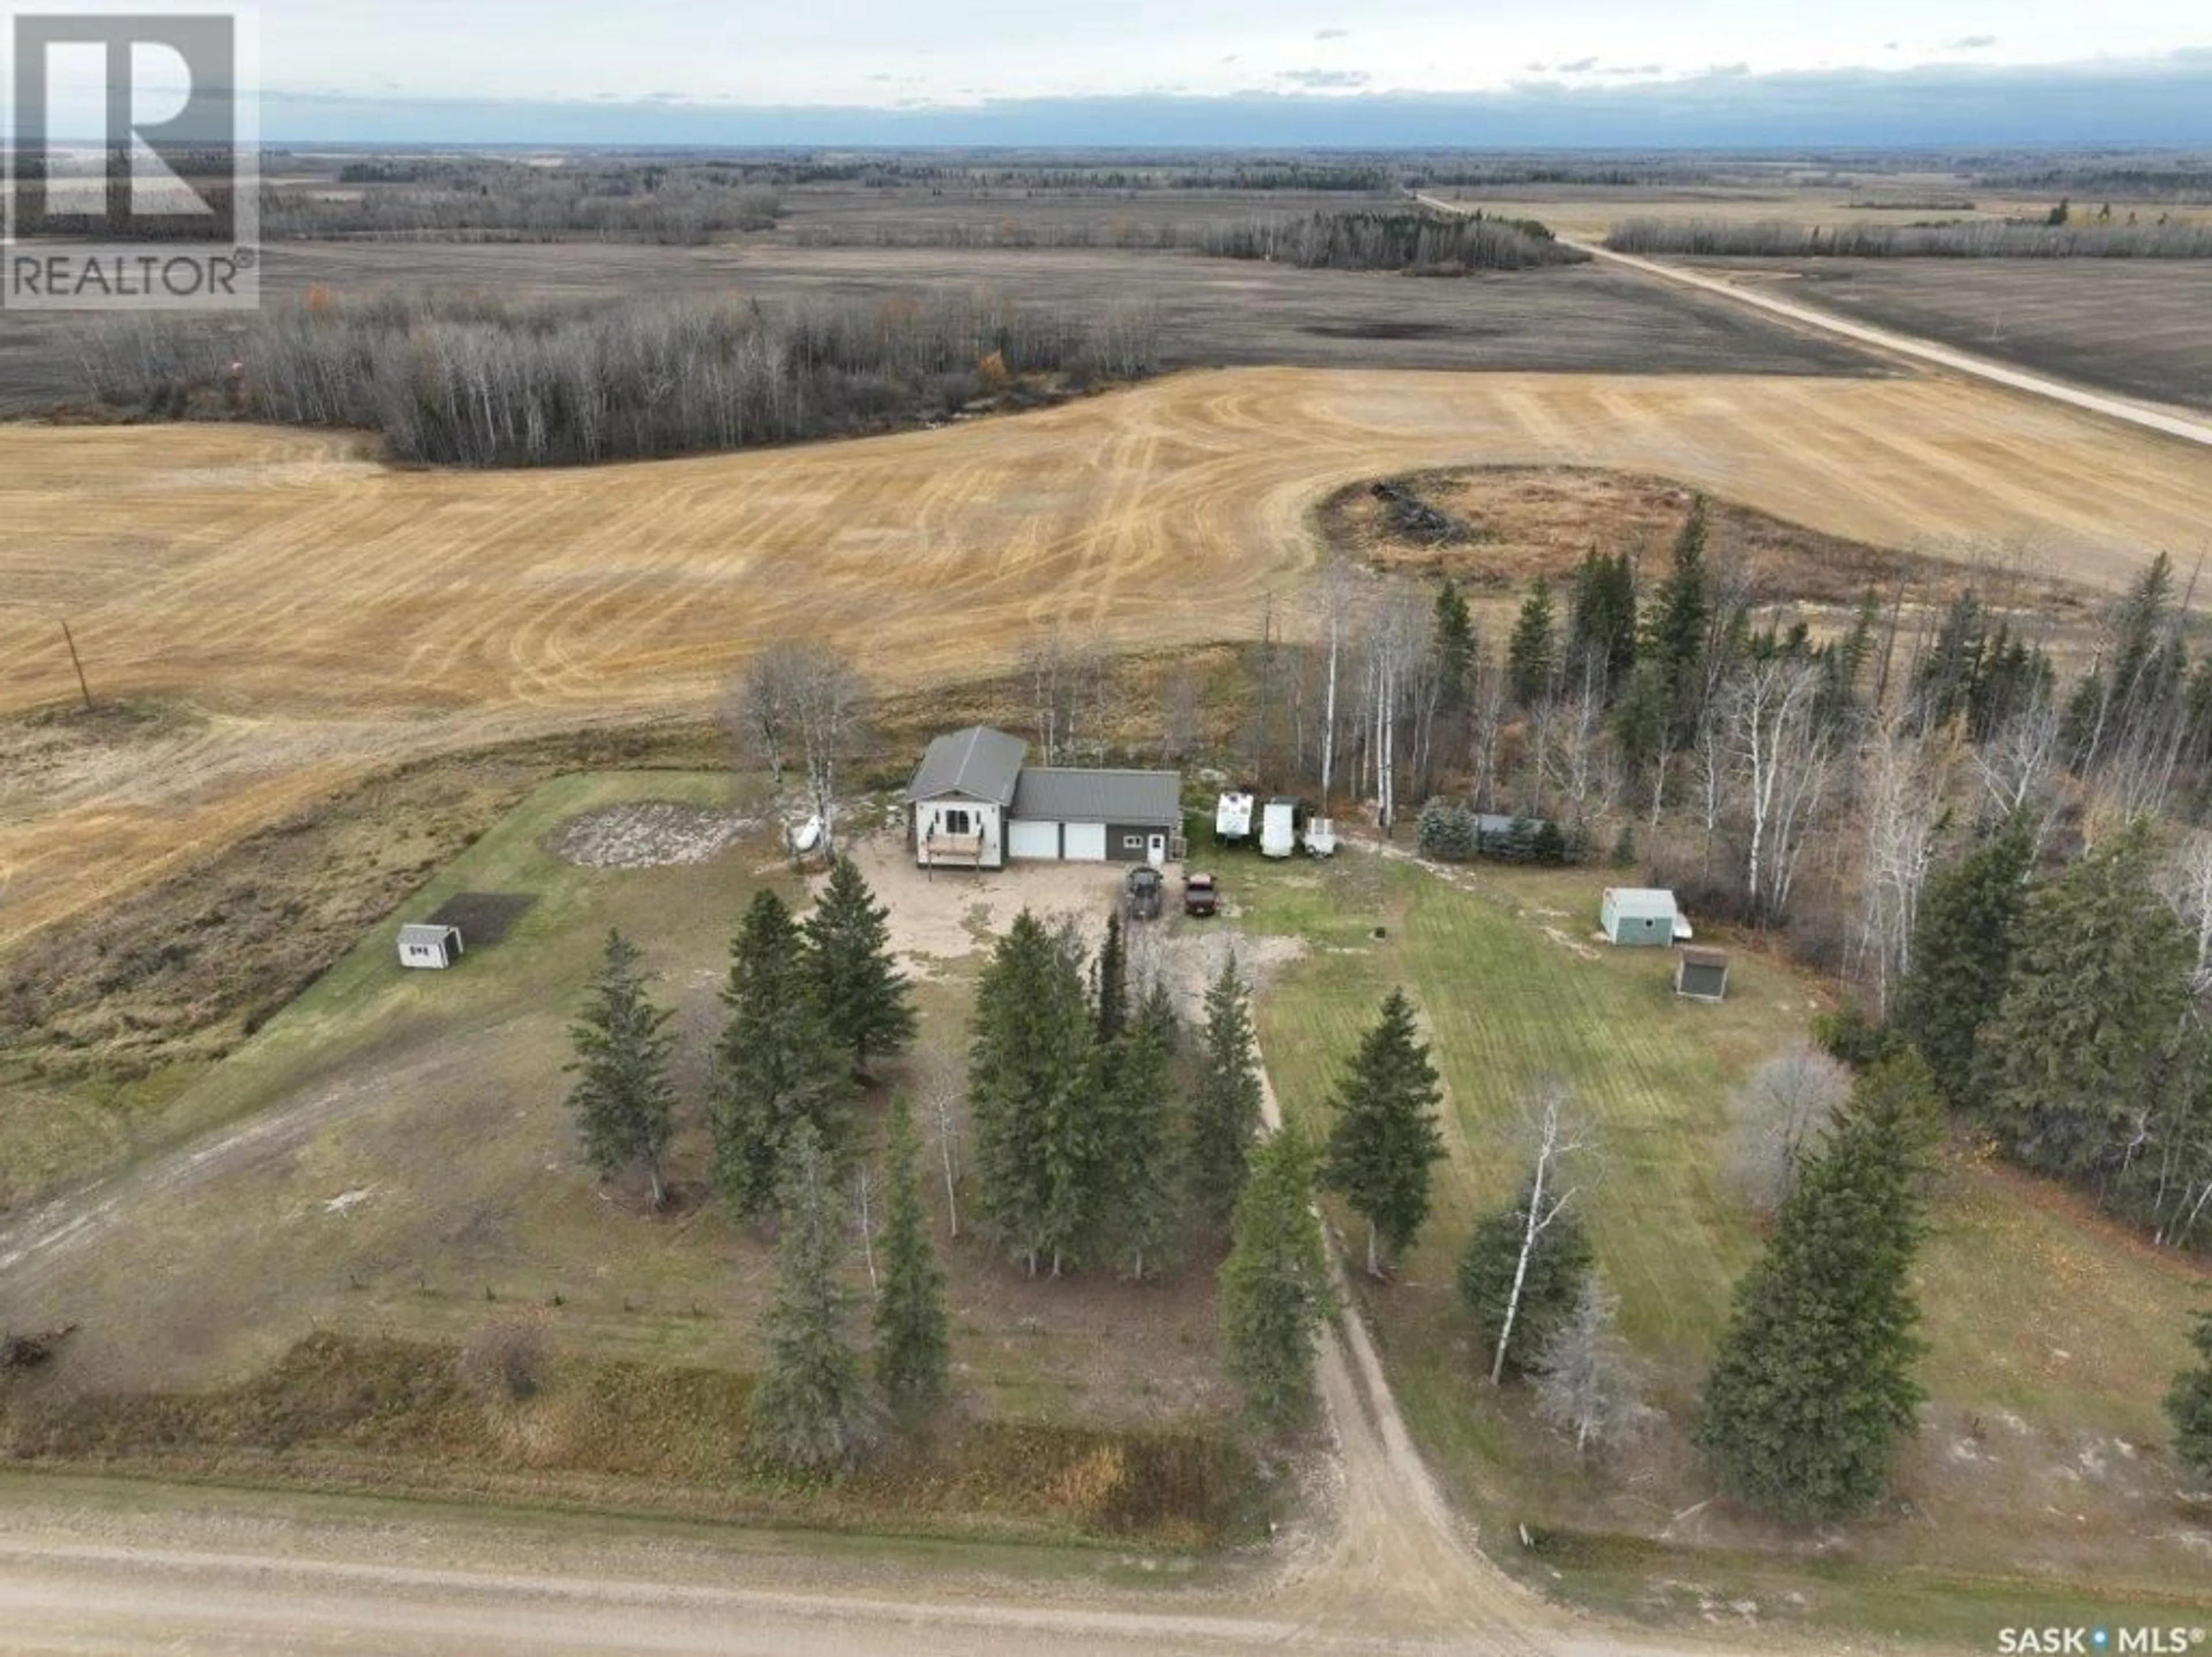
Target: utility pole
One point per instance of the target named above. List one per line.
(77, 662)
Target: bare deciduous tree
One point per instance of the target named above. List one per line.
(1556, 1139)
(1901, 796)
(1769, 730)
(1776, 1117)
(1586, 1384)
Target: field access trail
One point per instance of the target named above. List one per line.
(317, 614)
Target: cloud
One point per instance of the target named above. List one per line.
(1580, 66)
(1332, 33)
(1891, 45)
(1536, 69)
(1971, 43)
(1325, 80)
(2164, 100)
(1727, 71)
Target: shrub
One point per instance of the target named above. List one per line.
(506, 1358)
(1447, 831)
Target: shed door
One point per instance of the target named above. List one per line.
(1086, 842)
(1025, 838)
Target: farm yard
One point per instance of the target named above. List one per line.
(315, 616)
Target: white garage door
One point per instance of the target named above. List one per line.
(1032, 839)
(1086, 842)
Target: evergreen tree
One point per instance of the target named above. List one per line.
(777, 1063)
(2189, 1405)
(1113, 980)
(1032, 1088)
(810, 1410)
(912, 1329)
(1943, 685)
(1679, 623)
(622, 1100)
(2096, 992)
(1157, 1012)
(1962, 945)
(861, 993)
(1275, 1288)
(1386, 1134)
(1559, 1263)
(1136, 1146)
(1453, 644)
(1225, 1105)
(1601, 620)
(1532, 654)
(1813, 1386)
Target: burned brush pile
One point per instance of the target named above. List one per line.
(1411, 518)
(475, 382)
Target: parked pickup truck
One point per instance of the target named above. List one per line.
(1199, 896)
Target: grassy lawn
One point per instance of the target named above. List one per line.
(400, 1168)
(2051, 1334)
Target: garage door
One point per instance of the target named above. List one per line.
(1086, 842)
(1032, 839)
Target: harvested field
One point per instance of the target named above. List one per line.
(1211, 311)
(322, 615)
(2142, 328)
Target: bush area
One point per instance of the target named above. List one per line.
(1392, 240)
(420, 198)
(372, 1411)
(477, 382)
(1989, 239)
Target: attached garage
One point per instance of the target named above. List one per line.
(1098, 816)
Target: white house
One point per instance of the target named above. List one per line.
(973, 804)
(1641, 915)
(429, 946)
(958, 801)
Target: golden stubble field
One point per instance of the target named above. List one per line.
(320, 614)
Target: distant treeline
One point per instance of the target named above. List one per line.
(463, 380)
(1006, 231)
(1404, 240)
(446, 200)
(1986, 239)
(2192, 184)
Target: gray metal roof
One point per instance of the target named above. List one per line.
(977, 764)
(416, 932)
(1050, 793)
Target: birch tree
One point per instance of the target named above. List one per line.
(1770, 734)
(1540, 1224)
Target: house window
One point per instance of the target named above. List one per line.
(1132, 842)
(954, 822)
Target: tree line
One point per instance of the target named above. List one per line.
(429, 198)
(2062, 238)
(1406, 238)
(480, 381)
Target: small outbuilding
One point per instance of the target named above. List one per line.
(1067, 815)
(1701, 975)
(430, 945)
(1638, 916)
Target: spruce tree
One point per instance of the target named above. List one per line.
(861, 993)
(1532, 654)
(1225, 1113)
(810, 1410)
(1386, 1136)
(1962, 946)
(2097, 989)
(1455, 648)
(1113, 980)
(2189, 1405)
(1032, 1089)
(623, 1101)
(1559, 1263)
(777, 1063)
(1677, 623)
(1136, 1146)
(1601, 620)
(1275, 1288)
(1812, 1389)
(912, 1329)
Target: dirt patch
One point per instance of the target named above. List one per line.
(1527, 521)
(942, 916)
(485, 918)
(647, 834)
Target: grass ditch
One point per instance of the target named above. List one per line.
(351, 1411)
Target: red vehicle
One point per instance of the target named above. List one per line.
(1200, 896)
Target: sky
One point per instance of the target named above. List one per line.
(1265, 73)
